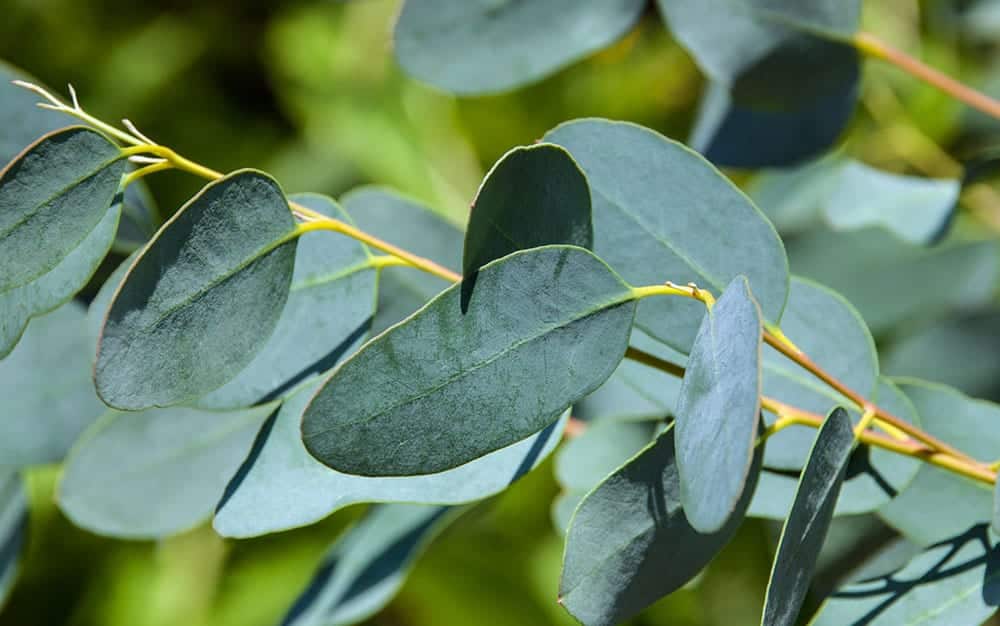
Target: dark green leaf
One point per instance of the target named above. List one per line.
(809, 519)
(280, 486)
(48, 397)
(897, 276)
(952, 582)
(874, 475)
(365, 568)
(202, 298)
(719, 408)
(13, 529)
(480, 46)
(532, 197)
(832, 333)
(154, 473)
(939, 504)
(415, 227)
(635, 391)
(545, 327)
(661, 212)
(51, 197)
(630, 544)
(915, 209)
(48, 291)
(326, 317)
(21, 119)
(140, 217)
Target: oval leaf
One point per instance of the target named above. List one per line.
(365, 567)
(662, 212)
(202, 298)
(51, 196)
(807, 524)
(719, 408)
(545, 327)
(326, 317)
(533, 196)
(620, 559)
(154, 473)
(479, 46)
(280, 486)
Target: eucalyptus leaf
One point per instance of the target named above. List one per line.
(139, 217)
(563, 507)
(202, 298)
(21, 119)
(544, 328)
(805, 529)
(154, 473)
(329, 310)
(415, 227)
(629, 543)
(586, 460)
(897, 276)
(662, 212)
(479, 46)
(917, 210)
(50, 290)
(718, 409)
(939, 504)
(824, 326)
(51, 197)
(280, 486)
(48, 395)
(793, 198)
(366, 567)
(533, 196)
(13, 529)
(952, 582)
(635, 391)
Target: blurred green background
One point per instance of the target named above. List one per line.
(309, 91)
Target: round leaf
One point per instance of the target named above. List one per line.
(202, 298)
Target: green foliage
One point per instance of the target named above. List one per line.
(13, 528)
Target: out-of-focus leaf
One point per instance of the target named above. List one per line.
(808, 521)
(202, 298)
(21, 120)
(544, 327)
(951, 582)
(13, 529)
(630, 544)
(588, 459)
(154, 473)
(479, 46)
(939, 504)
(793, 198)
(661, 212)
(365, 567)
(280, 486)
(415, 227)
(718, 409)
(329, 310)
(48, 395)
(139, 217)
(897, 276)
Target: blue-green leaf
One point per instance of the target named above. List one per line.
(51, 197)
(154, 473)
(952, 582)
(202, 298)
(661, 212)
(807, 524)
(365, 567)
(280, 486)
(792, 198)
(48, 395)
(533, 196)
(586, 460)
(415, 227)
(939, 504)
(13, 529)
(326, 317)
(629, 543)
(544, 328)
(21, 119)
(480, 46)
(719, 408)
